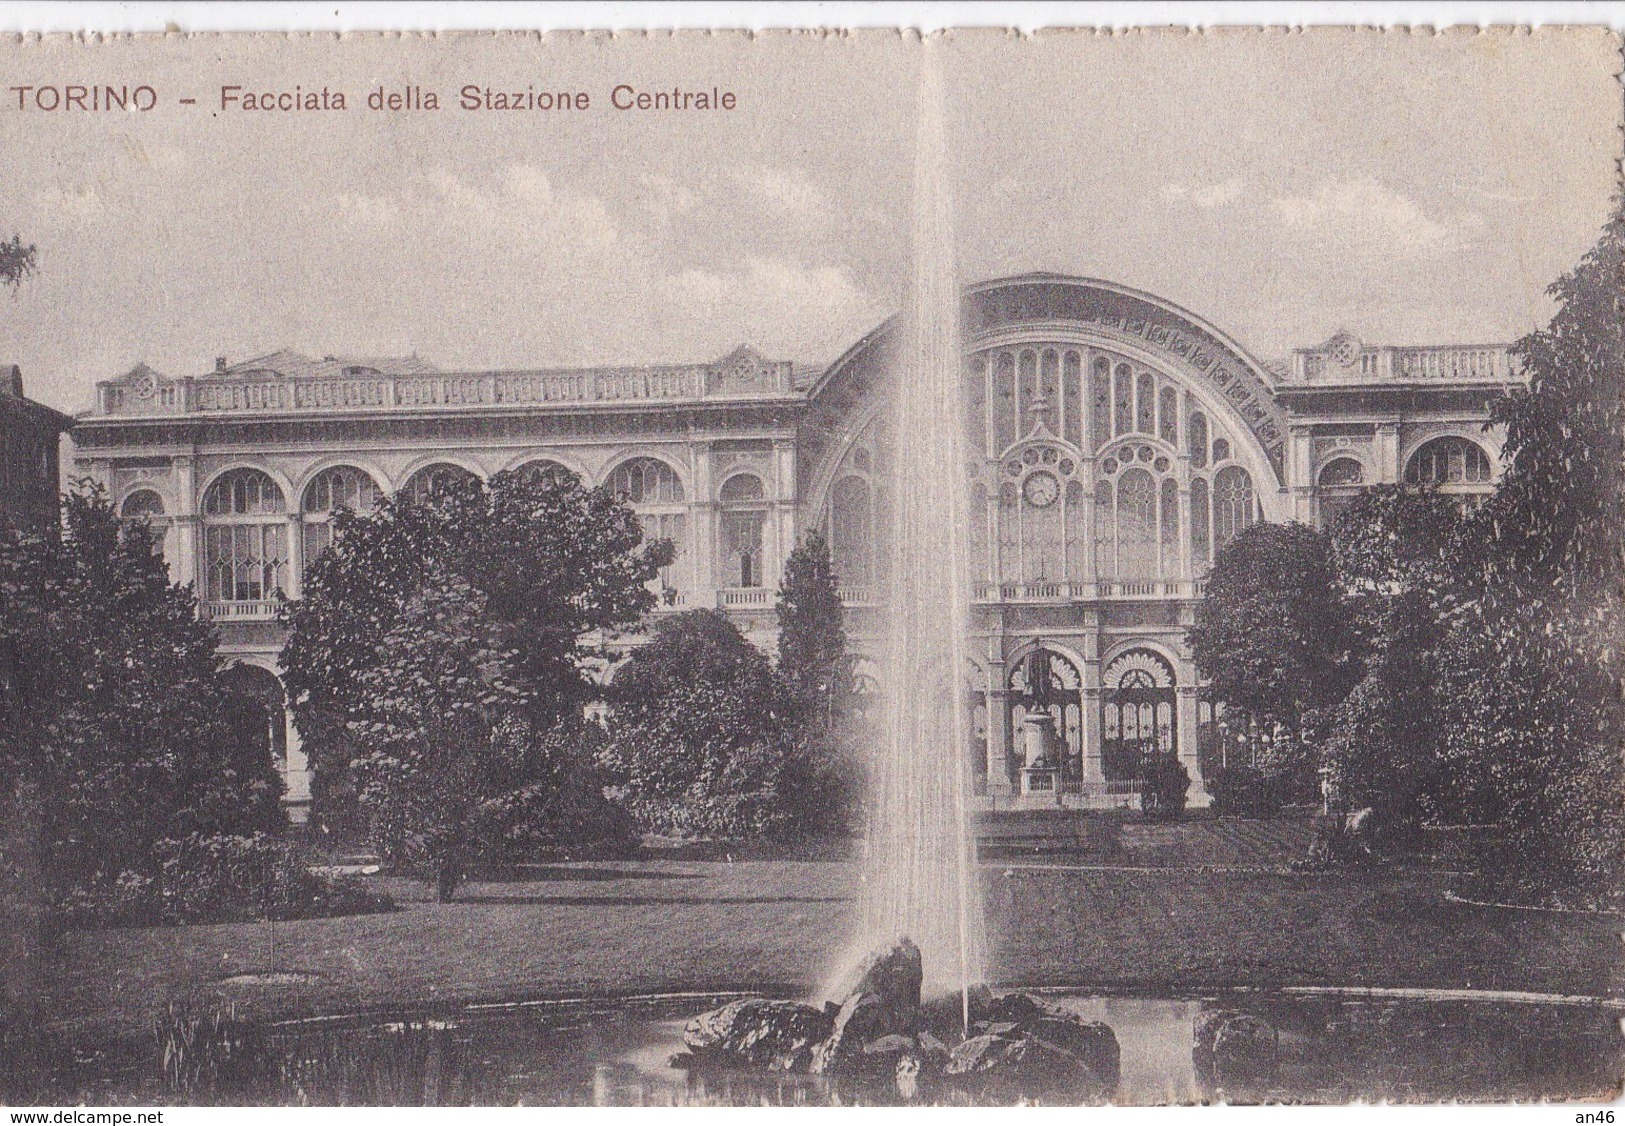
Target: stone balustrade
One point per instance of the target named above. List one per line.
(237, 395)
(264, 610)
(1114, 590)
(763, 597)
(1450, 363)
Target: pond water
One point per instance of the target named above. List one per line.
(1327, 1050)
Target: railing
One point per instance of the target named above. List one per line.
(418, 392)
(728, 597)
(1468, 364)
(1463, 363)
(264, 610)
(1122, 589)
(746, 596)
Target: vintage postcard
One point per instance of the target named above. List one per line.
(811, 568)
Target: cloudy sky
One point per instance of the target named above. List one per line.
(1413, 188)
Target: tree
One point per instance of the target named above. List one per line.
(440, 641)
(694, 745)
(1271, 637)
(1398, 557)
(816, 693)
(17, 261)
(1537, 701)
(428, 706)
(113, 710)
(815, 671)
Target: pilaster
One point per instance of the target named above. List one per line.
(1300, 472)
(998, 741)
(188, 564)
(1185, 717)
(1388, 467)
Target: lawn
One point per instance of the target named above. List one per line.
(695, 925)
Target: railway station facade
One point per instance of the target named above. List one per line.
(1116, 442)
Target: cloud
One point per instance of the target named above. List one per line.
(1205, 196)
(1366, 218)
(666, 194)
(808, 309)
(786, 192)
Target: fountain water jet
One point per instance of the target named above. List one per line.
(920, 875)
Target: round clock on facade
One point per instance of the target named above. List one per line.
(145, 385)
(1041, 489)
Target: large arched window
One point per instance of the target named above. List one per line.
(1339, 483)
(646, 480)
(1136, 713)
(656, 494)
(245, 538)
(341, 486)
(147, 506)
(1060, 692)
(1448, 461)
(1136, 514)
(1456, 467)
(432, 480)
(1340, 472)
(544, 469)
(143, 504)
(744, 516)
(1233, 507)
(851, 530)
(1040, 514)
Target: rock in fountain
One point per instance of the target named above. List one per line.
(885, 1044)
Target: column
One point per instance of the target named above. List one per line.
(295, 772)
(296, 556)
(1388, 468)
(188, 559)
(998, 741)
(1185, 718)
(1094, 775)
(1301, 472)
(784, 509)
(1183, 570)
(702, 534)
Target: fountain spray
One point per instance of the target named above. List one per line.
(921, 879)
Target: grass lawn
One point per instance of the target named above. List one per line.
(675, 925)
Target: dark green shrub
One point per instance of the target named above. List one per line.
(1162, 793)
(217, 879)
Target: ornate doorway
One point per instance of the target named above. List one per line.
(1060, 694)
(1136, 714)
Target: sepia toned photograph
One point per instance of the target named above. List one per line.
(812, 568)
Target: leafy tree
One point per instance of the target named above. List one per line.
(113, 710)
(437, 640)
(427, 709)
(1398, 557)
(548, 563)
(1538, 699)
(694, 745)
(1271, 637)
(17, 261)
(815, 671)
(817, 692)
